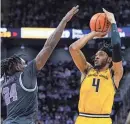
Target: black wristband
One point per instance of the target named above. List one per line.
(116, 54)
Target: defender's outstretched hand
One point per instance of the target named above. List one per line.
(54, 38)
(71, 13)
(110, 16)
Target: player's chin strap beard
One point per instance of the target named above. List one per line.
(98, 67)
(95, 67)
(103, 65)
(109, 62)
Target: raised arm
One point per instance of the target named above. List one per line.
(116, 45)
(77, 55)
(52, 41)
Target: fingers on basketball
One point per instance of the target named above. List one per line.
(106, 12)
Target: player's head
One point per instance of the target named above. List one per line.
(11, 65)
(103, 57)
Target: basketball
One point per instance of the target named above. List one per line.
(99, 23)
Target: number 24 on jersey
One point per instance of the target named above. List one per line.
(10, 93)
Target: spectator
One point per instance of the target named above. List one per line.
(48, 13)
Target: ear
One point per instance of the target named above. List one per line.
(109, 59)
(18, 67)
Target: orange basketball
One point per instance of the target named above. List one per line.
(99, 23)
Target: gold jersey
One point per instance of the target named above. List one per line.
(97, 93)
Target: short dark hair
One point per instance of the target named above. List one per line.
(8, 65)
(107, 49)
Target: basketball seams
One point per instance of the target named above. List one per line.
(108, 25)
(96, 21)
(104, 23)
(99, 23)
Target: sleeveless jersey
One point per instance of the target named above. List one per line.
(97, 93)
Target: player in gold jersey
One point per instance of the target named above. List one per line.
(98, 81)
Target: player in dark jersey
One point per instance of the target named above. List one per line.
(19, 87)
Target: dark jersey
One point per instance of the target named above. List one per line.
(20, 95)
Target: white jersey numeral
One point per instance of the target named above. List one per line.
(10, 94)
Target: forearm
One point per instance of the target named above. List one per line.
(116, 43)
(52, 41)
(49, 46)
(79, 44)
(56, 35)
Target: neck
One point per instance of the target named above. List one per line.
(103, 68)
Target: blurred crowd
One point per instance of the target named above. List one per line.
(58, 93)
(48, 13)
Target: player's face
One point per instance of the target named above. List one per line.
(100, 59)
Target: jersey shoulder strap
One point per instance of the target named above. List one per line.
(86, 71)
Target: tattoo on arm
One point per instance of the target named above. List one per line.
(49, 46)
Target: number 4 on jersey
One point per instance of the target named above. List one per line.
(96, 83)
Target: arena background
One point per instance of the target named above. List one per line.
(59, 80)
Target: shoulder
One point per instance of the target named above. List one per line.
(31, 68)
(82, 77)
(31, 63)
(86, 71)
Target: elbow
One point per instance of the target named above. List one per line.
(72, 47)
